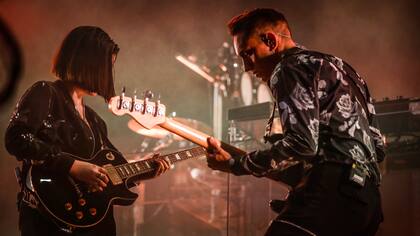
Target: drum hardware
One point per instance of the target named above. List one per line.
(252, 112)
(196, 68)
(264, 93)
(247, 89)
(219, 90)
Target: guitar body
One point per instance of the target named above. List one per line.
(69, 201)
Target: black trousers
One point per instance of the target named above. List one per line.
(32, 223)
(330, 205)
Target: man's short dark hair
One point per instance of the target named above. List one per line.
(248, 21)
(85, 59)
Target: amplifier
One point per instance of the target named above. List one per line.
(393, 116)
(252, 112)
(398, 116)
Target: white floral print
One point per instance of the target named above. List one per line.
(324, 117)
(301, 98)
(302, 58)
(345, 106)
(314, 129)
(286, 113)
(350, 125)
(339, 63)
(339, 74)
(274, 76)
(357, 154)
(322, 85)
(367, 140)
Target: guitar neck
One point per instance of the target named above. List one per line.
(197, 137)
(133, 169)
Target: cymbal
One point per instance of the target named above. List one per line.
(160, 133)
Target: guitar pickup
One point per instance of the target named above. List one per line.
(113, 175)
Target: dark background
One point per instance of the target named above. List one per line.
(379, 38)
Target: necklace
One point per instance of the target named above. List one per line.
(81, 112)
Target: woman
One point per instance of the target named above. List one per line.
(51, 122)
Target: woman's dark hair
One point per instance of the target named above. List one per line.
(85, 59)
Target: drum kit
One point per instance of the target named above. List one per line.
(254, 91)
(206, 195)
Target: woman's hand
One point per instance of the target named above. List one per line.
(93, 175)
(163, 166)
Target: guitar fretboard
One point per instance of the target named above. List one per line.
(140, 167)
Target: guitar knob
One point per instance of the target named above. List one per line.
(82, 202)
(79, 215)
(68, 206)
(92, 211)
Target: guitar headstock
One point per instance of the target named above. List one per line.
(146, 112)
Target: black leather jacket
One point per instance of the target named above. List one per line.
(45, 126)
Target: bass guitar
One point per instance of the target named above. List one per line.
(152, 113)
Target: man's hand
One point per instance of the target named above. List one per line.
(93, 175)
(217, 158)
(216, 152)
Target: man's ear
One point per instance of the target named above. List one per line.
(269, 39)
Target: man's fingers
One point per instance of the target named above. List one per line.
(214, 146)
(214, 142)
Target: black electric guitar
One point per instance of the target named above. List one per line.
(150, 114)
(71, 204)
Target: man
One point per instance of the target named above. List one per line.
(326, 114)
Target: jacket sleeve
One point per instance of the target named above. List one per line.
(295, 92)
(24, 137)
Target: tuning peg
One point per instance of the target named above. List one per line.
(122, 95)
(157, 104)
(148, 94)
(133, 100)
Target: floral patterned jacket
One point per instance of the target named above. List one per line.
(321, 115)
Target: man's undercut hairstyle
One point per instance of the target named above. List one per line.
(85, 59)
(248, 21)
